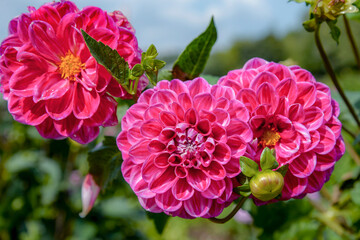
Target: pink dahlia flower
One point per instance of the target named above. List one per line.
(181, 145)
(49, 77)
(295, 115)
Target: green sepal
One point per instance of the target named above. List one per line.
(192, 60)
(151, 65)
(110, 59)
(310, 25)
(267, 159)
(334, 30)
(248, 167)
(137, 70)
(283, 169)
(105, 162)
(242, 188)
(160, 220)
(245, 194)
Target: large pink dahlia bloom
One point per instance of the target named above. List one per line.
(181, 145)
(295, 115)
(49, 77)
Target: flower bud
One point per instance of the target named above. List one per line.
(89, 192)
(266, 185)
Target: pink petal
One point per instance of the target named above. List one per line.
(199, 85)
(266, 94)
(185, 101)
(327, 141)
(44, 40)
(24, 80)
(296, 113)
(146, 96)
(165, 97)
(178, 110)
(283, 107)
(215, 171)
(215, 190)
(241, 128)
(281, 72)
(254, 63)
(198, 179)
(313, 118)
(149, 171)
(52, 86)
(222, 153)
(155, 146)
(323, 101)
(163, 182)
(61, 108)
(203, 127)
(204, 101)
(150, 205)
(219, 91)
(153, 111)
(85, 134)
(232, 167)
(167, 202)
(178, 86)
(139, 186)
(182, 190)
(203, 114)
(288, 89)
(264, 77)
(85, 103)
(47, 130)
(151, 128)
(237, 145)
(191, 116)
(197, 206)
(325, 162)
(335, 125)
(89, 192)
(34, 113)
(317, 180)
(237, 110)
(306, 94)
(105, 112)
(162, 160)
(168, 118)
(293, 186)
(304, 165)
(139, 152)
(68, 126)
(287, 148)
(303, 75)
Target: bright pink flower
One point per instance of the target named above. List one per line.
(294, 114)
(49, 77)
(89, 192)
(181, 145)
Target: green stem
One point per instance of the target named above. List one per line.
(232, 214)
(332, 75)
(352, 41)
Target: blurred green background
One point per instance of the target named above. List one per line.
(40, 180)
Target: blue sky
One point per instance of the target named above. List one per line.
(172, 24)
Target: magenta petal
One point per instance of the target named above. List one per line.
(151, 128)
(287, 148)
(327, 141)
(241, 128)
(156, 146)
(68, 126)
(313, 118)
(199, 85)
(185, 101)
(150, 205)
(236, 110)
(304, 165)
(52, 86)
(178, 86)
(222, 153)
(266, 94)
(215, 190)
(139, 186)
(198, 179)
(197, 206)
(232, 168)
(165, 97)
(85, 134)
(43, 38)
(296, 113)
(104, 114)
(163, 182)
(325, 162)
(182, 190)
(167, 202)
(215, 171)
(85, 103)
(288, 89)
(293, 186)
(191, 116)
(168, 118)
(61, 108)
(254, 63)
(264, 77)
(317, 180)
(204, 101)
(248, 97)
(335, 125)
(24, 80)
(152, 112)
(306, 94)
(149, 171)
(139, 152)
(35, 113)
(47, 130)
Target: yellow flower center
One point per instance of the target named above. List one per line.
(70, 66)
(269, 138)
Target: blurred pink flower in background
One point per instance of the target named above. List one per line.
(295, 115)
(89, 192)
(49, 77)
(181, 145)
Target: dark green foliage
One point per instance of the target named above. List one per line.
(160, 220)
(192, 60)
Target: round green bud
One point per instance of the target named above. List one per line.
(266, 185)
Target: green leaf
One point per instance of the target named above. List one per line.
(151, 65)
(334, 30)
(137, 70)
(355, 193)
(105, 162)
(310, 25)
(192, 60)
(160, 220)
(110, 59)
(242, 188)
(245, 194)
(151, 52)
(248, 167)
(267, 159)
(283, 169)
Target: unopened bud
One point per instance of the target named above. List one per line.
(266, 185)
(89, 192)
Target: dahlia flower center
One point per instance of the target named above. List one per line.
(269, 138)
(70, 66)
